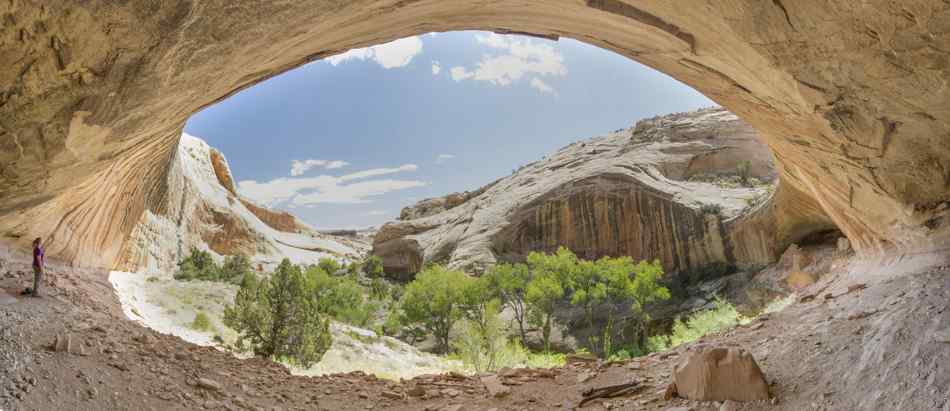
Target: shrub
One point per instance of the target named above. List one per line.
(329, 265)
(373, 267)
(481, 337)
(201, 322)
(742, 170)
(279, 317)
(710, 208)
(723, 316)
(235, 268)
(198, 265)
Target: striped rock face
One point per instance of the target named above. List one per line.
(850, 96)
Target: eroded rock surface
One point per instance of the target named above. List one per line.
(850, 96)
(625, 193)
(203, 210)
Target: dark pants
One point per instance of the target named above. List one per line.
(37, 280)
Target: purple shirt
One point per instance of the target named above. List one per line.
(38, 257)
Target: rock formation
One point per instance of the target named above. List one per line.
(720, 374)
(203, 210)
(626, 193)
(850, 96)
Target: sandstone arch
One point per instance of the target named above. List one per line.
(851, 97)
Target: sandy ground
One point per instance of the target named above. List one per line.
(883, 347)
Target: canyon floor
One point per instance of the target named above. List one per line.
(867, 335)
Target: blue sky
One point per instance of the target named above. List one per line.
(348, 141)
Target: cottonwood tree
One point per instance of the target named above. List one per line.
(510, 284)
(550, 276)
(433, 301)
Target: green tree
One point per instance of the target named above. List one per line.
(433, 302)
(510, 283)
(235, 268)
(338, 297)
(551, 275)
(277, 317)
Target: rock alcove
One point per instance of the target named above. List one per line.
(850, 97)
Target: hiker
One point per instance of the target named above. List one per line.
(39, 264)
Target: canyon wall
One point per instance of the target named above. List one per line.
(630, 192)
(851, 97)
(202, 210)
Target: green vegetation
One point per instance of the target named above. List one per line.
(433, 302)
(201, 322)
(285, 315)
(200, 265)
(280, 317)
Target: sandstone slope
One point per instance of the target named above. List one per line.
(630, 192)
(202, 209)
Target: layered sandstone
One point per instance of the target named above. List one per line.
(203, 211)
(850, 96)
(623, 194)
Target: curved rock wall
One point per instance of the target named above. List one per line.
(202, 211)
(850, 96)
(614, 195)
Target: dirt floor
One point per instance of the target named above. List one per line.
(873, 335)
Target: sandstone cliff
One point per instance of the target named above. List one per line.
(626, 193)
(202, 209)
(850, 96)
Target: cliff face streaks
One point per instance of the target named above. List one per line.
(635, 192)
(849, 96)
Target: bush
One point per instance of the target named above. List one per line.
(481, 338)
(201, 322)
(373, 267)
(724, 316)
(710, 208)
(279, 317)
(235, 268)
(742, 170)
(200, 265)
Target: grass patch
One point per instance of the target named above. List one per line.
(152, 279)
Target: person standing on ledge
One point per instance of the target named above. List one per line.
(39, 264)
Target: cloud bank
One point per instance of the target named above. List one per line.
(354, 188)
(515, 59)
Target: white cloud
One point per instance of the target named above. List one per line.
(441, 158)
(394, 54)
(378, 172)
(307, 191)
(517, 58)
(436, 68)
(542, 86)
(336, 164)
(298, 167)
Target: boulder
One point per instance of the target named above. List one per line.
(719, 374)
